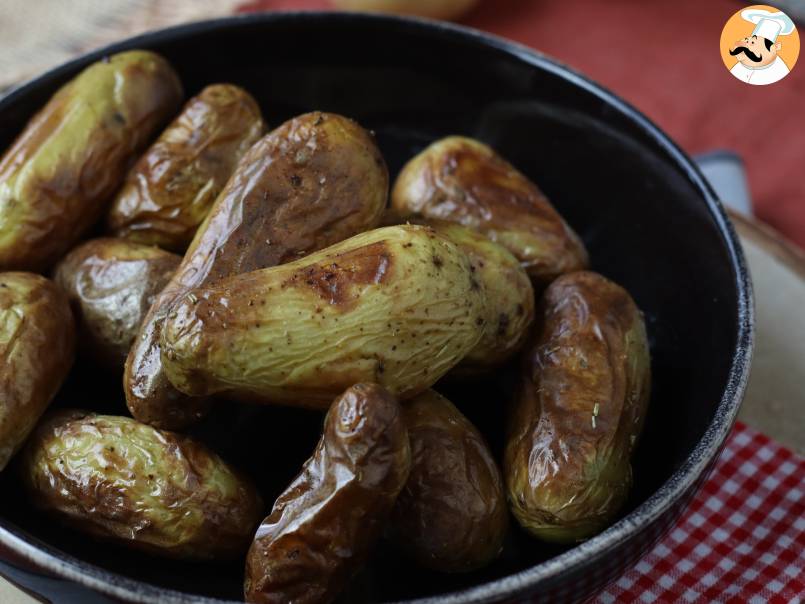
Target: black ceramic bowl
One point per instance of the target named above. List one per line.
(647, 216)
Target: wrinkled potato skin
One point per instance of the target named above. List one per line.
(462, 180)
(120, 480)
(567, 475)
(111, 284)
(74, 154)
(509, 294)
(324, 525)
(399, 306)
(37, 342)
(172, 187)
(452, 514)
(314, 181)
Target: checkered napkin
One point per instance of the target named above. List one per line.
(741, 540)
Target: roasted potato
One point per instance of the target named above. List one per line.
(579, 410)
(509, 296)
(324, 524)
(313, 181)
(73, 155)
(434, 9)
(37, 341)
(399, 306)
(120, 480)
(171, 189)
(451, 515)
(111, 284)
(464, 181)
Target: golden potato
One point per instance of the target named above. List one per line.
(315, 180)
(325, 523)
(120, 480)
(435, 9)
(464, 181)
(171, 189)
(399, 306)
(73, 155)
(111, 284)
(579, 410)
(509, 296)
(452, 514)
(37, 341)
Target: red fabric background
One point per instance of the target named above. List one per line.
(663, 57)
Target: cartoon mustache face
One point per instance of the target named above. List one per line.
(743, 49)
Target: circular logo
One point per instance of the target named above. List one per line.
(759, 45)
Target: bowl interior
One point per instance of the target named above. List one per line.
(642, 217)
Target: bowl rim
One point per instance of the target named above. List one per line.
(66, 566)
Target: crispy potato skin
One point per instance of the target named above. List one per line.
(399, 306)
(462, 180)
(509, 295)
(313, 181)
(451, 516)
(580, 409)
(171, 189)
(74, 154)
(120, 480)
(111, 284)
(323, 526)
(37, 342)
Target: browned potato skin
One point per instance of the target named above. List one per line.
(323, 526)
(37, 342)
(111, 284)
(120, 480)
(314, 181)
(580, 409)
(462, 180)
(452, 514)
(173, 186)
(73, 155)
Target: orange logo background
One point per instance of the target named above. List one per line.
(737, 28)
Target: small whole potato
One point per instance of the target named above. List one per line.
(171, 189)
(451, 516)
(37, 342)
(509, 297)
(120, 480)
(325, 523)
(579, 411)
(435, 9)
(73, 155)
(111, 284)
(316, 180)
(462, 180)
(399, 306)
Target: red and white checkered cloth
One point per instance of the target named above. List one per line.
(741, 540)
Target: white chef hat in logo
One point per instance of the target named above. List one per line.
(768, 25)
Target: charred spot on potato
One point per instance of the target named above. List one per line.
(334, 282)
(503, 324)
